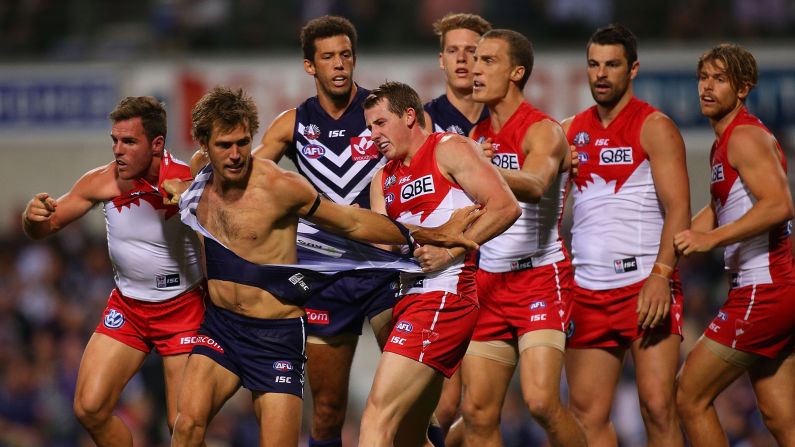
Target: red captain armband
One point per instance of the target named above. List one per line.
(663, 270)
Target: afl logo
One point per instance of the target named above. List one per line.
(313, 151)
(113, 319)
(389, 198)
(404, 326)
(282, 366)
(391, 180)
(581, 139)
(312, 132)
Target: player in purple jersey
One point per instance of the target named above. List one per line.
(327, 138)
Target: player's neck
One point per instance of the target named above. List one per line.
(336, 106)
(607, 113)
(152, 175)
(463, 102)
(719, 125)
(416, 140)
(501, 111)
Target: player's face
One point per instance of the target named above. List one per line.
(230, 153)
(492, 70)
(716, 94)
(388, 130)
(458, 57)
(609, 73)
(332, 66)
(134, 153)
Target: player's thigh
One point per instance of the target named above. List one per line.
(705, 373)
(173, 372)
(774, 384)
(106, 367)
(206, 386)
(279, 417)
(399, 383)
(381, 323)
(329, 365)
(592, 375)
(655, 367)
(485, 375)
(541, 365)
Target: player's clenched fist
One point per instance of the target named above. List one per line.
(40, 208)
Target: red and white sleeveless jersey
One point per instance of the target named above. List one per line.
(533, 240)
(419, 194)
(762, 259)
(618, 217)
(154, 255)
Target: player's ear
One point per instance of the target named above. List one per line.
(309, 67)
(411, 117)
(517, 73)
(158, 144)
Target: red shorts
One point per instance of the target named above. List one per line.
(514, 303)
(759, 319)
(608, 318)
(169, 326)
(433, 328)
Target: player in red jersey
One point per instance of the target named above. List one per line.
(427, 177)
(158, 300)
(750, 214)
(630, 197)
(524, 276)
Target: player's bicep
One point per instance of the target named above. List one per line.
(278, 138)
(545, 149)
(666, 151)
(754, 156)
(377, 202)
(84, 194)
(474, 173)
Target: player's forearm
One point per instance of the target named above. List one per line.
(704, 220)
(765, 215)
(496, 218)
(362, 225)
(525, 186)
(677, 219)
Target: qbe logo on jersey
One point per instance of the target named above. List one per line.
(416, 188)
(615, 156)
(362, 148)
(505, 161)
(717, 173)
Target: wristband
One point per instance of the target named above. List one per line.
(661, 276)
(449, 253)
(663, 270)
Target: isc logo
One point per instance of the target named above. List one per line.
(615, 156)
(398, 340)
(282, 365)
(717, 173)
(505, 161)
(336, 133)
(541, 317)
(283, 379)
(419, 187)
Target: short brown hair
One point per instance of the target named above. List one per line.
(226, 108)
(616, 34)
(738, 62)
(149, 109)
(460, 20)
(323, 27)
(401, 98)
(520, 50)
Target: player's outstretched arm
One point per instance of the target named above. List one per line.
(45, 215)
(278, 138)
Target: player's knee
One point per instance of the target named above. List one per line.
(188, 428)
(479, 417)
(687, 403)
(658, 409)
(327, 420)
(91, 411)
(543, 406)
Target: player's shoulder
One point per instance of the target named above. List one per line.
(99, 184)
